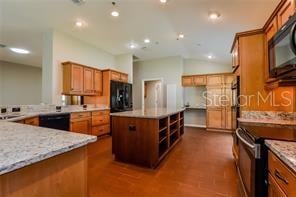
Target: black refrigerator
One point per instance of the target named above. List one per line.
(121, 98)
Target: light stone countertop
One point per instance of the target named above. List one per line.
(268, 122)
(22, 145)
(155, 113)
(286, 151)
(25, 115)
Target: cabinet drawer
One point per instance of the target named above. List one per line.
(100, 120)
(80, 115)
(100, 113)
(101, 130)
(282, 175)
(32, 121)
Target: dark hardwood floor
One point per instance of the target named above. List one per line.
(200, 165)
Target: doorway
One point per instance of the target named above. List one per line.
(152, 96)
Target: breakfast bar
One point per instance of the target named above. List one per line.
(35, 160)
(145, 137)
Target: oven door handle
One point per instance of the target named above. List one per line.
(243, 140)
(292, 38)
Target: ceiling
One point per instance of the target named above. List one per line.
(23, 22)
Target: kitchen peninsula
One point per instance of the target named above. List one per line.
(145, 137)
(35, 160)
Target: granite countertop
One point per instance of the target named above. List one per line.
(268, 122)
(25, 115)
(156, 113)
(286, 151)
(22, 145)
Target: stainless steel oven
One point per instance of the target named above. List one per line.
(251, 164)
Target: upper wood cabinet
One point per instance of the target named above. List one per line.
(214, 80)
(72, 78)
(98, 82)
(287, 10)
(81, 80)
(88, 80)
(199, 80)
(194, 80)
(118, 76)
(187, 80)
(271, 29)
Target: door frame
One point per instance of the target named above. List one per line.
(143, 90)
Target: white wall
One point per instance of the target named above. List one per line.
(124, 63)
(59, 47)
(19, 84)
(169, 69)
(194, 66)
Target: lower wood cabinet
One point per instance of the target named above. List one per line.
(282, 181)
(219, 118)
(81, 122)
(100, 121)
(34, 121)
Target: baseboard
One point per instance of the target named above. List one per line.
(195, 125)
(220, 130)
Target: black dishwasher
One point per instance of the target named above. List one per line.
(59, 121)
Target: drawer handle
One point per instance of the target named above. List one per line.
(280, 177)
(132, 128)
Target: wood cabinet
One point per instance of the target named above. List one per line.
(146, 141)
(214, 80)
(271, 29)
(80, 122)
(216, 117)
(187, 81)
(98, 82)
(282, 181)
(81, 80)
(194, 80)
(72, 78)
(287, 10)
(100, 122)
(118, 76)
(32, 121)
(88, 80)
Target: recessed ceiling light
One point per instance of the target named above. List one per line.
(180, 36)
(163, 1)
(210, 57)
(21, 51)
(214, 15)
(132, 46)
(147, 40)
(114, 11)
(78, 24)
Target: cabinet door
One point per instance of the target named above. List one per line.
(271, 29)
(88, 85)
(76, 79)
(115, 76)
(285, 12)
(187, 81)
(98, 81)
(228, 118)
(214, 80)
(215, 118)
(274, 189)
(215, 96)
(199, 80)
(123, 77)
(82, 125)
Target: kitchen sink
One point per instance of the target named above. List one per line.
(7, 117)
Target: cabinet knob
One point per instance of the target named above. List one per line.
(132, 128)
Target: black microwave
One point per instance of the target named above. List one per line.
(282, 51)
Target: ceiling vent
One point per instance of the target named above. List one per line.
(2, 45)
(79, 2)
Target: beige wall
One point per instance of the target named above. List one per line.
(19, 84)
(59, 47)
(193, 66)
(169, 69)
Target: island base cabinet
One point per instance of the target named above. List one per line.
(62, 175)
(134, 141)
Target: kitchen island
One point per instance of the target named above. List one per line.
(145, 137)
(37, 161)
